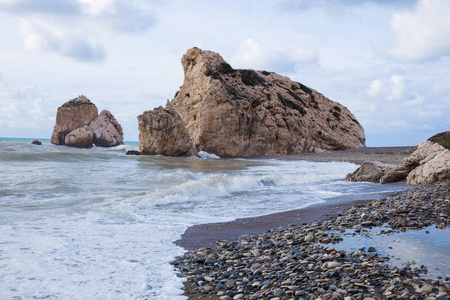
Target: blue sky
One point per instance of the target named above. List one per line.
(387, 61)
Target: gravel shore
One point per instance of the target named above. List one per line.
(290, 264)
(287, 263)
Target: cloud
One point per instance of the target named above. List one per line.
(308, 4)
(73, 28)
(252, 55)
(38, 36)
(421, 33)
(63, 7)
(123, 16)
(25, 107)
(388, 88)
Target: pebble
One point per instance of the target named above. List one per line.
(288, 264)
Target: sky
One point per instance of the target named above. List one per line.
(388, 61)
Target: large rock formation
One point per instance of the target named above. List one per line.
(107, 131)
(79, 125)
(430, 162)
(241, 113)
(71, 115)
(161, 131)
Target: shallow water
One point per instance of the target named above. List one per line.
(429, 247)
(97, 224)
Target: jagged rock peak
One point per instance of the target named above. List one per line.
(240, 113)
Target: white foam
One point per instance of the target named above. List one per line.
(100, 225)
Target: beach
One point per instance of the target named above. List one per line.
(243, 268)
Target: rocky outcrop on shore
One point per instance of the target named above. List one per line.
(302, 262)
(430, 162)
(78, 124)
(242, 113)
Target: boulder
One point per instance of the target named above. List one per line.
(242, 113)
(71, 115)
(396, 174)
(81, 137)
(435, 167)
(36, 142)
(162, 131)
(370, 171)
(423, 150)
(107, 131)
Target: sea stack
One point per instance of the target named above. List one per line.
(243, 113)
(78, 124)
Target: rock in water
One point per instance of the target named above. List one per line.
(80, 138)
(36, 142)
(161, 131)
(242, 113)
(107, 131)
(71, 115)
(79, 113)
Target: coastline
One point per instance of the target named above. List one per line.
(205, 235)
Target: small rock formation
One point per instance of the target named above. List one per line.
(36, 142)
(79, 113)
(133, 152)
(107, 131)
(242, 113)
(80, 138)
(161, 131)
(370, 171)
(430, 162)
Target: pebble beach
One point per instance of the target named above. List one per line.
(300, 260)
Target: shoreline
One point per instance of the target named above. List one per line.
(289, 263)
(205, 235)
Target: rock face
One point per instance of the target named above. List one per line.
(80, 113)
(107, 131)
(71, 115)
(80, 138)
(430, 162)
(435, 167)
(370, 171)
(242, 113)
(161, 131)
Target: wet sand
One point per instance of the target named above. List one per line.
(205, 235)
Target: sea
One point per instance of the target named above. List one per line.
(98, 224)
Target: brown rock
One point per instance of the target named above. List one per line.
(435, 167)
(241, 113)
(71, 115)
(107, 131)
(80, 138)
(161, 131)
(370, 171)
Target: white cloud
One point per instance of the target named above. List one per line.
(252, 55)
(422, 33)
(418, 100)
(25, 107)
(38, 36)
(388, 88)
